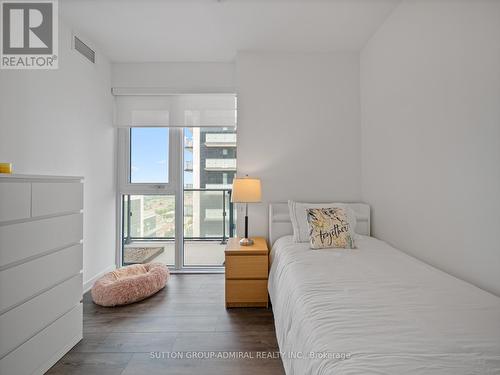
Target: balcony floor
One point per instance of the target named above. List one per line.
(196, 253)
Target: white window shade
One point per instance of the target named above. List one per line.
(185, 110)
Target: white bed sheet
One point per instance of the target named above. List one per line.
(392, 313)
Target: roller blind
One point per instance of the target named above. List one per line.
(183, 110)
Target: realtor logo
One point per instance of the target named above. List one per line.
(29, 34)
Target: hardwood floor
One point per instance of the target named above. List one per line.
(187, 316)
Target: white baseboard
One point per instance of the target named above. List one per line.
(87, 285)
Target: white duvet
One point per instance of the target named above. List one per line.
(390, 312)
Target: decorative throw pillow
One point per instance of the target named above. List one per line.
(329, 227)
(298, 216)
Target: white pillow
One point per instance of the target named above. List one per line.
(298, 215)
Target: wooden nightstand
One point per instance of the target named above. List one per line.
(246, 273)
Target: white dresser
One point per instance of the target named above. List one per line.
(41, 240)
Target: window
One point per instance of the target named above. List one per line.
(175, 177)
(149, 155)
(148, 188)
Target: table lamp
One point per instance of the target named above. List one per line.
(246, 190)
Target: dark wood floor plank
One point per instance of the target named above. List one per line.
(187, 316)
(75, 363)
(126, 342)
(169, 308)
(144, 364)
(226, 341)
(245, 323)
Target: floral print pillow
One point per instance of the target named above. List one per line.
(329, 227)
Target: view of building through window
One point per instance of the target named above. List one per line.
(209, 169)
(151, 216)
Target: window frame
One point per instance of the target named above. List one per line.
(175, 186)
(145, 188)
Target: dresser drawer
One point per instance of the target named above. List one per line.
(19, 283)
(246, 267)
(23, 322)
(246, 292)
(55, 198)
(39, 353)
(15, 201)
(24, 240)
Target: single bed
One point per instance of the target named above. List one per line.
(375, 310)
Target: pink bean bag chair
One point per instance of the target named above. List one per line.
(130, 284)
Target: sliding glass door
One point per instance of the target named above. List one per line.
(209, 215)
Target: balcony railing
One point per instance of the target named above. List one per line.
(188, 165)
(217, 187)
(212, 215)
(188, 143)
(220, 164)
(209, 215)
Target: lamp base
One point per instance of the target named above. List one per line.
(246, 242)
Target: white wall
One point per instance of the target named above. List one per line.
(60, 122)
(298, 127)
(430, 95)
(187, 77)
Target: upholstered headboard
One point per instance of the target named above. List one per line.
(280, 224)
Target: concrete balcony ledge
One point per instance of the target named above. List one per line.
(220, 164)
(220, 144)
(220, 140)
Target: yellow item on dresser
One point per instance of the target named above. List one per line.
(6, 168)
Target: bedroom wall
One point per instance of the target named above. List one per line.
(430, 93)
(185, 77)
(60, 123)
(298, 127)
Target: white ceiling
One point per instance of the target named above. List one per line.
(211, 30)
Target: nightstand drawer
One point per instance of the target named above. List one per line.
(246, 292)
(246, 267)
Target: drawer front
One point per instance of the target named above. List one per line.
(23, 322)
(246, 267)
(54, 198)
(39, 353)
(24, 240)
(19, 283)
(241, 291)
(15, 201)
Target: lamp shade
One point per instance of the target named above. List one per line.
(246, 190)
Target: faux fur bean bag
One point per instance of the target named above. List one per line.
(130, 284)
